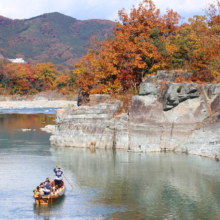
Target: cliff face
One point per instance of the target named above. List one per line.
(86, 126)
(169, 116)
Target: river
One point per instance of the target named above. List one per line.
(107, 184)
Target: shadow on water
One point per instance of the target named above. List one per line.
(45, 210)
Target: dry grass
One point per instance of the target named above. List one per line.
(126, 98)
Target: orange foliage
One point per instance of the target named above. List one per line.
(137, 47)
(20, 76)
(145, 41)
(182, 80)
(45, 74)
(198, 46)
(64, 91)
(26, 79)
(62, 80)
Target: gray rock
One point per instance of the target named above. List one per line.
(149, 124)
(21, 99)
(162, 72)
(150, 148)
(148, 89)
(83, 125)
(177, 93)
(151, 79)
(8, 99)
(167, 76)
(212, 90)
(121, 131)
(215, 103)
(205, 140)
(98, 98)
(48, 128)
(40, 98)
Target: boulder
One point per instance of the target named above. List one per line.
(98, 98)
(204, 140)
(48, 128)
(176, 93)
(26, 129)
(148, 89)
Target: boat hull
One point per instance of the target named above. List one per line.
(46, 199)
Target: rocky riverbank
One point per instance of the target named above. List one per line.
(165, 116)
(46, 99)
(50, 95)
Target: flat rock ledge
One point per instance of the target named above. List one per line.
(165, 116)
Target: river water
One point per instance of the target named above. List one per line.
(107, 184)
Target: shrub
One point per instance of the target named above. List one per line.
(33, 92)
(64, 91)
(179, 89)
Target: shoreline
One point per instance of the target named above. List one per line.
(35, 104)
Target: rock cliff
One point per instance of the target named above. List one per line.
(165, 116)
(86, 126)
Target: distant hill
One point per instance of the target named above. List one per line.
(51, 37)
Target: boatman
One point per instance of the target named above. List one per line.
(58, 180)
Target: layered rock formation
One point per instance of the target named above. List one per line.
(86, 126)
(164, 116)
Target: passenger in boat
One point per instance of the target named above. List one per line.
(46, 188)
(58, 180)
(39, 189)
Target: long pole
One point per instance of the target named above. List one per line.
(51, 190)
(57, 167)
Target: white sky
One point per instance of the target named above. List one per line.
(89, 9)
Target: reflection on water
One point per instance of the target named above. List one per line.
(157, 185)
(108, 184)
(15, 122)
(45, 210)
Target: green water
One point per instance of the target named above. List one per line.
(107, 184)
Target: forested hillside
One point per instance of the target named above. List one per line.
(142, 42)
(51, 37)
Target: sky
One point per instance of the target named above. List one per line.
(92, 9)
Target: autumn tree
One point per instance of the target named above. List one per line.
(196, 47)
(138, 46)
(45, 74)
(18, 78)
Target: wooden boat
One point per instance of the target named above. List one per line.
(46, 199)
